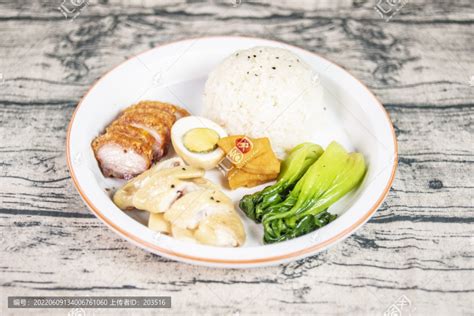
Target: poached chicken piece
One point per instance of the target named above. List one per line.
(123, 198)
(136, 139)
(182, 204)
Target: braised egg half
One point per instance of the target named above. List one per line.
(195, 138)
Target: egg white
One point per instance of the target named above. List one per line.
(201, 160)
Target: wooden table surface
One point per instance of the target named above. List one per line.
(418, 247)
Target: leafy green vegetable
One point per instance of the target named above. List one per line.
(333, 175)
(293, 167)
(304, 226)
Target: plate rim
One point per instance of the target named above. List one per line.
(223, 262)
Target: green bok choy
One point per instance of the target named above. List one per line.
(333, 175)
(293, 167)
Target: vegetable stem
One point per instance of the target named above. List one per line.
(300, 158)
(333, 175)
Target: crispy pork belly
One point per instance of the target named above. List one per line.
(166, 118)
(143, 128)
(121, 155)
(130, 131)
(177, 111)
(154, 126)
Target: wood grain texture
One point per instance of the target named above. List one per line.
(419, 244)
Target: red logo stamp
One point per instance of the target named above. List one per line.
(244, 145)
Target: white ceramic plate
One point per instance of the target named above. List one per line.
(176, 73)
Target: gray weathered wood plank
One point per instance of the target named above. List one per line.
(419, 244)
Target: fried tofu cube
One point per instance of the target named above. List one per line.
(238, 178)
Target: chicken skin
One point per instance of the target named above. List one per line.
(183, 204)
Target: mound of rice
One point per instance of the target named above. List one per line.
(265, 92)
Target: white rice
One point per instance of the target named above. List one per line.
(265, 92)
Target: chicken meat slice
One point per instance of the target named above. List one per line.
(221, 229)
(169, 163)
(183, 234)
(123, 197)
(159, 195)
(155, 192)
(123, 151)
(193, 207)
(157, 223)
(203, 182)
